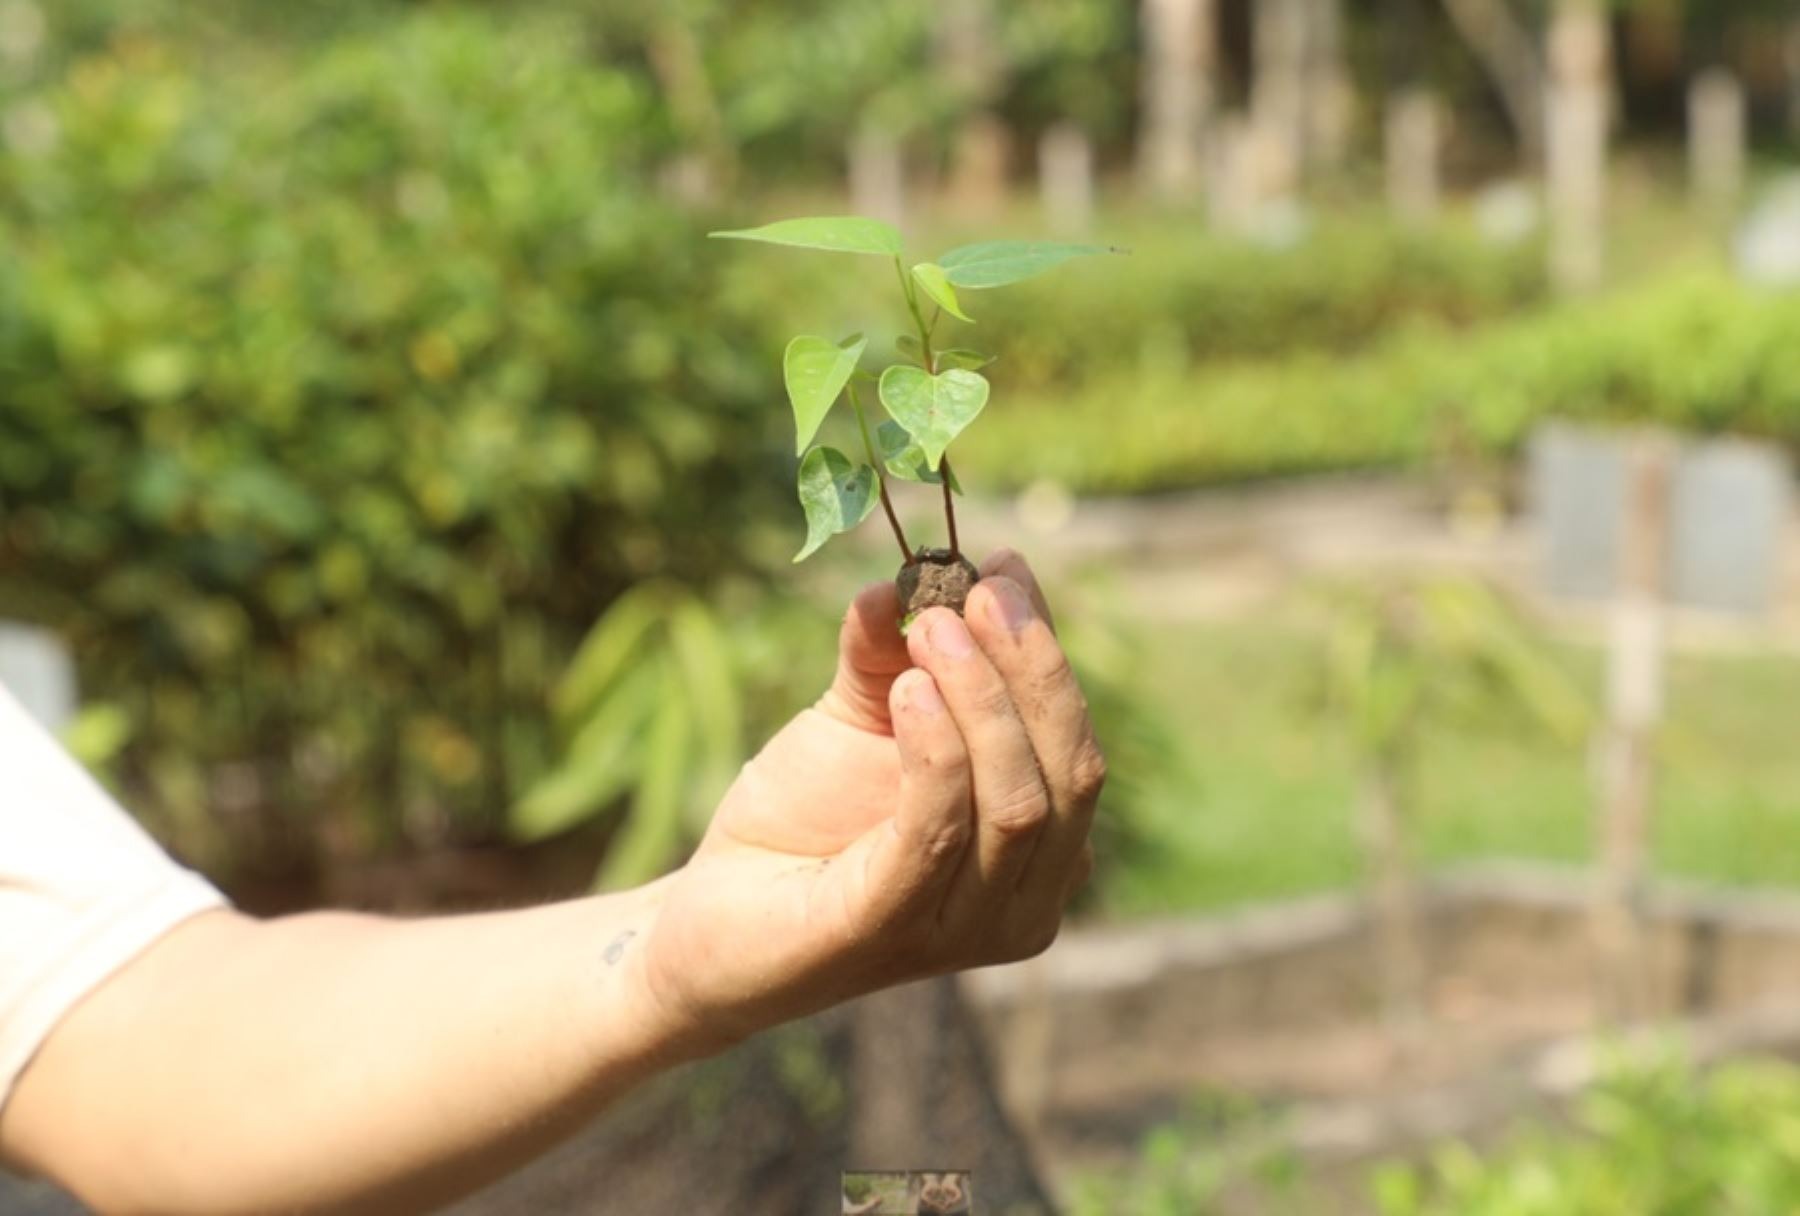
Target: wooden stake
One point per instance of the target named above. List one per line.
(1634, 708)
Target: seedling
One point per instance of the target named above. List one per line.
(930, 396)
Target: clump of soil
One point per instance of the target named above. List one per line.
(935, 578)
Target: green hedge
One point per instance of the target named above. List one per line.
(1185, 297)
(381, 367)
(1692, 349)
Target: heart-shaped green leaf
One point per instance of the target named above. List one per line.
(836, 494)
(934, 409)
(968, 360)
(998, 263)
(906, 459)
(930, 276)
(834, 233)
(816, 371)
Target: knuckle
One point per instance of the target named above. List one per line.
(992, 700)
(1020, 812)
(1088, 772)
(945, 759)
(945, 843)
(1050, 675)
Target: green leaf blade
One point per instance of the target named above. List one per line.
(932, 278)
(933, 409)
(650, 838)
(906, 459)
(831, 233)
(815, 371)
(836, 495)
(967, 360)
(1002, 263)
(606, 655)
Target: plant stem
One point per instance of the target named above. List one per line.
(887, 504)
(912, 304)
(949, 505)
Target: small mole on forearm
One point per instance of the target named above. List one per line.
(615, 950)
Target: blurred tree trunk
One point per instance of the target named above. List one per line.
(967, 63)
(1791, 53)
(1180, 59)
(1329, 97)
(708, 163)
(1412, 138)
(1300, 96)
(1580, 59)
(1506, 50)
(877, 174)
(923, 1095)
(1716, 118)
(1278, 92)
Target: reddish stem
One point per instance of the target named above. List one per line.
(949, 505)
(894, 520)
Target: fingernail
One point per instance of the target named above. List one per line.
(1008, 607)
(922, 691)
(950, 637)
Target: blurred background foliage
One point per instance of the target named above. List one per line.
(355, 359)
(410, 479)
(336, 368)
(1657, 1135)
(343, 391)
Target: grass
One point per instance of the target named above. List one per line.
(1270, 812)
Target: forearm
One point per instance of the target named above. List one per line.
(334, 1062)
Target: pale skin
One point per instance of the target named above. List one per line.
(929, 814)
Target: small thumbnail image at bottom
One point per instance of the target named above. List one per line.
(908, 1193)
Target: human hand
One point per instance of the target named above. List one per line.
(929, 814)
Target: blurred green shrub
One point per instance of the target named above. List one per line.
(341, 390)
(659, 707)
(1691, 349)
(785, 85)
(1653, 1139)
(1188, 298)
(669, 693)
(1222, 1152)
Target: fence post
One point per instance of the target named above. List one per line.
(1634, 708)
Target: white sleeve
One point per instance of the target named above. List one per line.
(82, 888)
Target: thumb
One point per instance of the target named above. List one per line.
(871, 653)
(906, 864)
